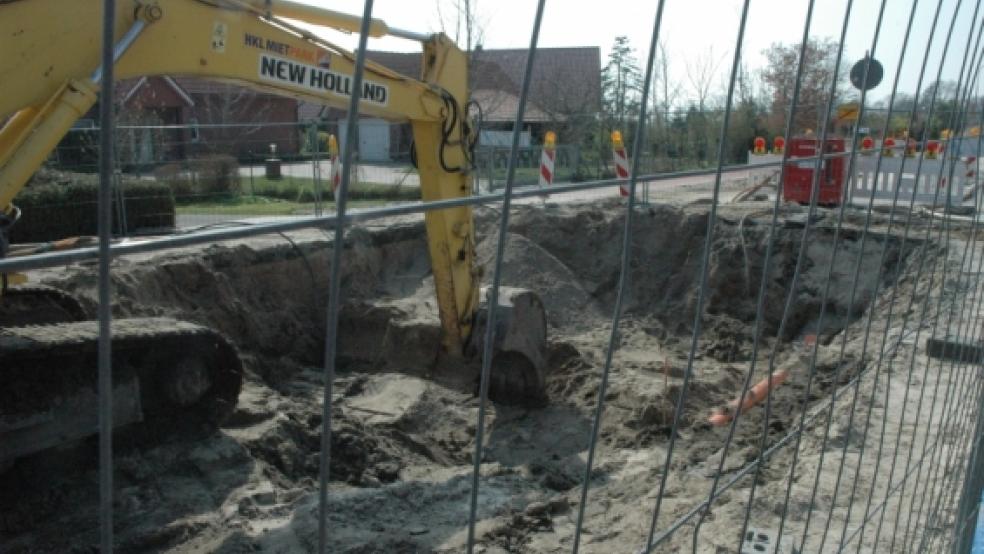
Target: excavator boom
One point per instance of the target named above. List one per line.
(50, 75)
(47, 87)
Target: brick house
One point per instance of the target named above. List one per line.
(564, 94)
(217, 118)
(163, 119)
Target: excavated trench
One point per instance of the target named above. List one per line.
(403, 428)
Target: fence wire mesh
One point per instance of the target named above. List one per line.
(783, 355)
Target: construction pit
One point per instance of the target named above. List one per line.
(404, 425)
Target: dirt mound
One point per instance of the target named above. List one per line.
(527, 265)
(667, 248)
(403, 434)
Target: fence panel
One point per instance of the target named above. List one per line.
(722, 375)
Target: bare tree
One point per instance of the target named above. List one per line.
(665, 89)
(700, 73)
(779, 78)
(240, 111)
(464, 15)
(744, 91)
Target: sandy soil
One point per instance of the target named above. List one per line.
(404, 426)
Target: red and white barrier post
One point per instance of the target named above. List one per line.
(867, 146)
(778, 145)
(336, 170)
(621, 161)
(547, 159)
(758, 146)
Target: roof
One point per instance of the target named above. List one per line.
(129, 87)
(406, 63)
(565, 81)
(499, 106)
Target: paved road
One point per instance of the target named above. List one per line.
(367, 173)
(678, 190)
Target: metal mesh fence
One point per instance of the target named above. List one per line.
(850, 420)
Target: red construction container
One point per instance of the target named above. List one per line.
(798, 178)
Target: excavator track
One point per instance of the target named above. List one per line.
(168, 376)
(38, 305)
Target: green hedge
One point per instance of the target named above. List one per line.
(302, 190)
(205, 178)
(56, 211)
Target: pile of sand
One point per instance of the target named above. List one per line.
(403, 435)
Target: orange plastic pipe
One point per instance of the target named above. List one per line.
(753, 397)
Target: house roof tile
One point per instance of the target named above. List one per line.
(565, 81)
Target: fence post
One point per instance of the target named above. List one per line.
(117, 184)
(970, 499)
(194, 180)
(575, 161)
(491, 168)
(645, 184)
(252, 187)
(315, 167)
(120, 201)
(290, 183)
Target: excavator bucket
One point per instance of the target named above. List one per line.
(519, 355)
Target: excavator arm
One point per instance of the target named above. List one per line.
(48, 85)
(50, 67)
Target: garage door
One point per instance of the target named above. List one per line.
(374, 139)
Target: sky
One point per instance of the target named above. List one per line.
(698, 31)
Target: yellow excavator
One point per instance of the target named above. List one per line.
(168, 371)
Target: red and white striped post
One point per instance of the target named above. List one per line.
(547, 159)
(336, 171)
(621, 161)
